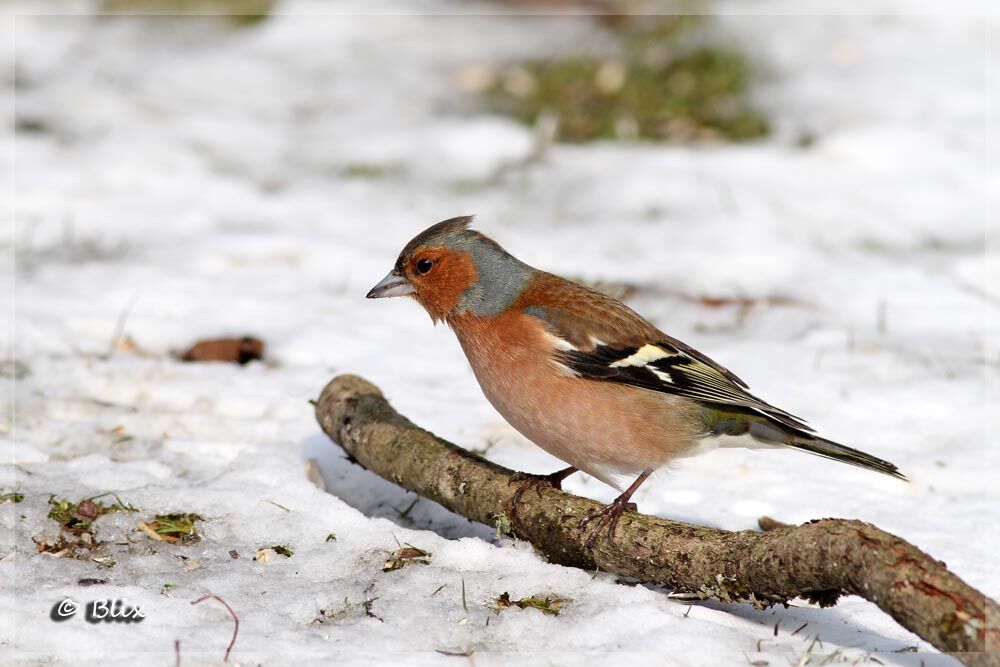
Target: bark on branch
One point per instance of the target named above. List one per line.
(820, 560)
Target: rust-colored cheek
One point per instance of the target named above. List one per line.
(440, 291)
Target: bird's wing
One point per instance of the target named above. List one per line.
(602, 339)
(671, 367)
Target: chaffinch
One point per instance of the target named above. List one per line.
(582, 375)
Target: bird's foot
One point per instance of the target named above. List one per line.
(607, 518)
(537, 482)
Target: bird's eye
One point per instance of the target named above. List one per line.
(424, 265)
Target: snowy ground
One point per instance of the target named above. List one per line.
(180, 179)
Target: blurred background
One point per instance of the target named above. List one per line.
(800, 190)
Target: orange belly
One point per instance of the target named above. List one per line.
(608, 430)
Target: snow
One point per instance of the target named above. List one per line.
(194, 180)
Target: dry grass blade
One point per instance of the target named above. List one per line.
(236, 620)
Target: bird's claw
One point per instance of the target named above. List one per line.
(607, 518)
(538, 481)
(529, 480)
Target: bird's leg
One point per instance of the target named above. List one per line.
(529, 480)
(608, 517)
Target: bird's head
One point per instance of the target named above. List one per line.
(449, 269)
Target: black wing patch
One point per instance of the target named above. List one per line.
(672, 368)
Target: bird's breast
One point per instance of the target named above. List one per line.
(606, 429)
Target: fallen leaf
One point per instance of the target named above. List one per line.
(548, 604)
(233, 350)
(404, 556)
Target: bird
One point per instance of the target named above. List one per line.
(582, 375)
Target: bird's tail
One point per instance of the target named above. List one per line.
(783, 430)
(837, 452)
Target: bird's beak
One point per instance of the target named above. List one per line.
(392, 285)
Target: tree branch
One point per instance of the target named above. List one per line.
(820, 560)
